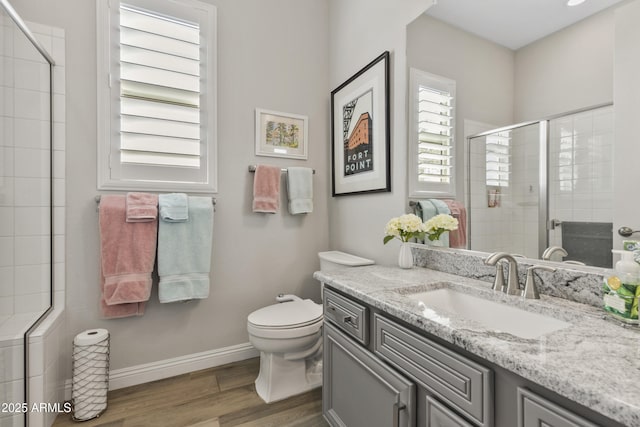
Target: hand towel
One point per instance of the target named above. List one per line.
(300, 190)
(127, 256)
(266, 189)
(184, 254)
(425, 209)
(173, 207)
(458, 238)
(142, 207)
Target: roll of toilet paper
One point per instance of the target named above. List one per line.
(90, 337)
(90, 374)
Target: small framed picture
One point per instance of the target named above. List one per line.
(360, 131)
(281, 134)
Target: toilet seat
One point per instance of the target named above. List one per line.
(286, 320)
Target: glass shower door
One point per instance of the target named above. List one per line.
(504, 189)
(25, 203)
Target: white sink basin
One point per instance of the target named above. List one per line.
(494, 316)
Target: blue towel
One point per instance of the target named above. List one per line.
(173, 207)
(184, 253)
(428, 208)
(300, 190)
(425, 209)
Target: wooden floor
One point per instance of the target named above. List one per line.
(216, 397)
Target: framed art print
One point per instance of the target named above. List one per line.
(281, 134)
(360, 148)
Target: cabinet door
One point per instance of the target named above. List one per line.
(359, 390)
(535, 411)
(439, 415)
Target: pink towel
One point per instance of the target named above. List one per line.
(266, 189)
(142, 207)
(458, 238)
(127, 256)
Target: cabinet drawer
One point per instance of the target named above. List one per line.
(462, 383)
(348, 315)
(439, 415)
(534, 411)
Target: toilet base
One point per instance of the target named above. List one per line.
(280, 378)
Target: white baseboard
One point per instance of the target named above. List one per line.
(140, 374)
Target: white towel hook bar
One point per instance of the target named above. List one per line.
(252, 168)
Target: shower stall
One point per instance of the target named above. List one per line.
(30, 324)
(542, 184)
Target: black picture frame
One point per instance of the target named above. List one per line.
(361, 150)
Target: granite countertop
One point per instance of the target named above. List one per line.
(594, 362)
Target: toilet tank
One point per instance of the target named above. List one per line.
(336, 260)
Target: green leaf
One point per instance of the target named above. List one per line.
(387, 239)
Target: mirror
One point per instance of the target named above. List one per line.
(570, 210)
(568, 71)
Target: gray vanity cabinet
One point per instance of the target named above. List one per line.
(535, 411)
(359, 390)
(379, 371)
(438, 415)
(464, 384)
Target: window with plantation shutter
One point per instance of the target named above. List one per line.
(498, 158)
(431, 135)
(157, 107)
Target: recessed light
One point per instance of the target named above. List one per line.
(574, 2)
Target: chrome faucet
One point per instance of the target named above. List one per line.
(513, 288)
(546, 255)
(530, 289)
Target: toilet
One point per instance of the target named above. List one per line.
(289, 337)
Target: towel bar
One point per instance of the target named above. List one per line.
(97, 199)
(252, 168)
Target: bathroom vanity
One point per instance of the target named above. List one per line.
(392, 359)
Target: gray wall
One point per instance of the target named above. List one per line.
(567, 70)
(272, 55)
(359, 31)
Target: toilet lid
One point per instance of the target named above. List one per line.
(286, 314)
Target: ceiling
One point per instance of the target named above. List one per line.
(514, 23)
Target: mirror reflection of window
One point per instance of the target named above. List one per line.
(432, 135)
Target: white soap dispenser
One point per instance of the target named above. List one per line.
(621, 288)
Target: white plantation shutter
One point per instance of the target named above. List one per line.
(159, 90)
(498, 158)
(432, 125)
(162, 96)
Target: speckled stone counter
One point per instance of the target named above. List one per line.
(593, 362)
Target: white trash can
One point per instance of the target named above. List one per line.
(90, 374)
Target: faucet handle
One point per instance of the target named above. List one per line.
(498, 282)
(530, 290)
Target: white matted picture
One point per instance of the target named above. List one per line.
(281, 134)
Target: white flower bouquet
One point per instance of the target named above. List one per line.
(410, 226)
(439, 224)
(405, 228)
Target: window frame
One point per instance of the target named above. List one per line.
(108, 97)
(416, 188)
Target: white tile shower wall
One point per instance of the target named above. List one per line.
(581, 168)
